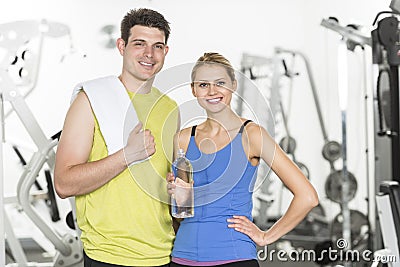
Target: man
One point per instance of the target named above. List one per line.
(122, 211)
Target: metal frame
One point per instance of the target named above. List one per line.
(14, 35)
(351, 37)
(388, 228)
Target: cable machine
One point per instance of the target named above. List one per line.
(385, 45)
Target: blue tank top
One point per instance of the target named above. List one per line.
(223, 187)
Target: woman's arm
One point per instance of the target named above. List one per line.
(261, 145)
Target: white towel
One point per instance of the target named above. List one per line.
(113, 109)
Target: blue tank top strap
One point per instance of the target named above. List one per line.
(193, 130)
(244, 125)
(240, 131)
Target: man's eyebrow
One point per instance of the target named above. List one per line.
(141, 40)
(159, 43)
(138, 40)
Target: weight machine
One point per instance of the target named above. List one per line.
(315, 228)
(384, 42)
(386, 56)
(15, 38)
(351, 37)
(331, 151)
(386, 47)
(388, 206)
(269, 73)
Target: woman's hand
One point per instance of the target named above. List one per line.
(180, 189)
(244, 225)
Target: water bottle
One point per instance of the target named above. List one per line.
(182, 201)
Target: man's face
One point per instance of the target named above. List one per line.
(144, 54)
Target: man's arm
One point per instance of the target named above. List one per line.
(73, 174)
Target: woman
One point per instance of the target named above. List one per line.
(225, 151)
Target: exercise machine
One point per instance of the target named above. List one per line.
(388, 206)
(351, 37)
(23, 71)
(270, 74)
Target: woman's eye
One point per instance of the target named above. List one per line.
(220, 84)
(203, 85)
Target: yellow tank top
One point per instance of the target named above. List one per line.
(127, 221)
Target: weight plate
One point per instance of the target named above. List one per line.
(334, 183)
(288, 144)
(332, 151)
(359, 226)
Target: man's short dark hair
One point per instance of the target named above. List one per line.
(144, 17)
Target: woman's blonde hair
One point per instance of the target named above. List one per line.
(214, 58)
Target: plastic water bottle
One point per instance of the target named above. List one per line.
(182, 200)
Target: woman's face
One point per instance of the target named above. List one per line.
(213, 87)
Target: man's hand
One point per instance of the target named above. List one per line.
(170, 183)
(140, 144)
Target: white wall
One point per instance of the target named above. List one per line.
(225, 26)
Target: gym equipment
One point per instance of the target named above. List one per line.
(288, 143)
(258, 69)
(279, 51)
(108, 33)
(395, 6)
(385, 58)
(350, 32)
(50, 198)
(336, 244)
(388, 205)
(331, 150)
(351, 37)
(383, 102)
(267, 73)
(385, 47)
(315, 227)
(334, 187)
(15, 35)
(359, 229)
